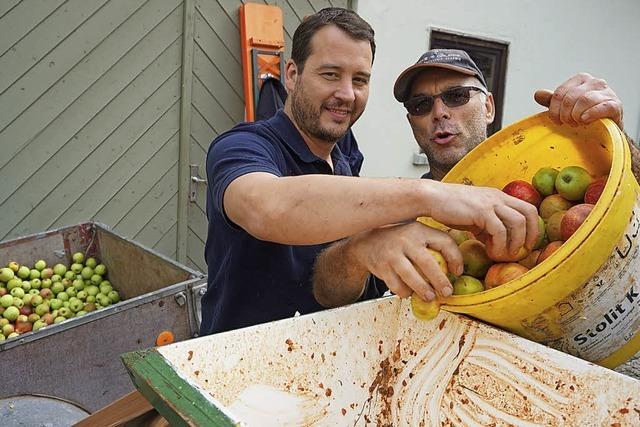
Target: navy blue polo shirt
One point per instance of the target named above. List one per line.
(251, 281)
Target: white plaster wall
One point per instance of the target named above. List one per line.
(549, 41)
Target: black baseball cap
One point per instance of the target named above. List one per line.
(451, 59)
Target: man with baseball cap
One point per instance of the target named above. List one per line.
(448, 107)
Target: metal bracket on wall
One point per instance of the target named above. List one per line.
(194, 181)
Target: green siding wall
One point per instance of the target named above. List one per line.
(90, 112)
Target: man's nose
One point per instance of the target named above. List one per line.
(439, 110)
(345, 91)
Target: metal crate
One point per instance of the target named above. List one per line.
(78, 360)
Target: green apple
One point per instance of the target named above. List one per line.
(26, 299)
(26, 285)
(14, 283)
(57, 287)
(63, 296)
(91, 262)
(65, 312)
(96, 279)
(86, 273)
(70, 275)
(8, 329)
(11, 313)
(76, 268)
(23, 272)
(114, 297)
(40, 265)
(38, 324)
(92, 290)
(14, 266)
(36, 300)
(34, 291)
(34, 274)
(78, 257)
(76, 305)
(42, 309)
(35, 284)
(6, 274)
(103, 300)
(13, 335)
(82, 295)
(59, 319)
(17, 302)
(17, 292)
(46, 283)
(56, 278)
(55, 303)
(465, 285)
(33, 317)
(59, 269)
(91, 298)
(78, 284)
(6, 300)
(105, 287)
(572, 182)
(100, 269)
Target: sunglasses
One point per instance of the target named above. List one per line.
(454, 97)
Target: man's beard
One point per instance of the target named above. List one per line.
(444, 158)
(308, 118)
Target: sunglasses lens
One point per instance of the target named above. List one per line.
(419, 106)
(456, 97)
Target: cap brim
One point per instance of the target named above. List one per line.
(403, 82)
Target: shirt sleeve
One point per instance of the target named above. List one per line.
(235, 155)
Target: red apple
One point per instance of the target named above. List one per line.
(574, 219)
(504, 257)
(26, 310)
(475, 258)
(23, 326)
(531, 260)
(594, 190)
(523, 191)
(548, 250)
(502, 273)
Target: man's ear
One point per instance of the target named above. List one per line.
(490, 108)
(290, 75)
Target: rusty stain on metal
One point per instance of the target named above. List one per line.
(452, 371)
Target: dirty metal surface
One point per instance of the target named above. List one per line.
(373, 363)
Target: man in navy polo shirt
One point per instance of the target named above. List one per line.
(283, 189)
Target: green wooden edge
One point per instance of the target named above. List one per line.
(179, 402)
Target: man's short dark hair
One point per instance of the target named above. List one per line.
(345, 19)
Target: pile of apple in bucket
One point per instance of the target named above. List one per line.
(564, 198)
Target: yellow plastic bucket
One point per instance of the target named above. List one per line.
(585, 298)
